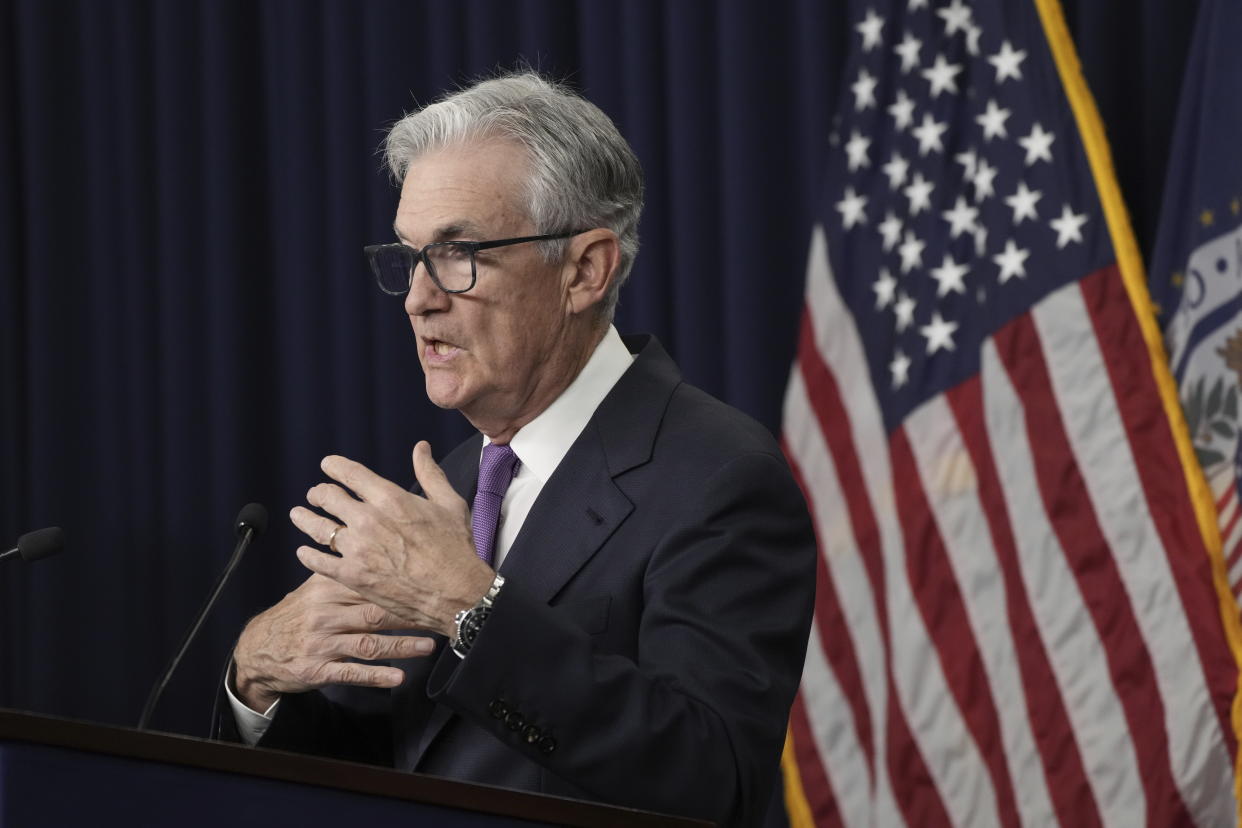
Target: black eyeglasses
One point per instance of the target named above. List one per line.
(449, 264)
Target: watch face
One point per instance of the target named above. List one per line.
(472, 623)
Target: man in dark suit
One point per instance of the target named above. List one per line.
(622, 612)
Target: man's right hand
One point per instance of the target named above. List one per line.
(302, 643)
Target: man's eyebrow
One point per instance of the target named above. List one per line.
(457, 230)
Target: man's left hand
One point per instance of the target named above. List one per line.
(413, 556)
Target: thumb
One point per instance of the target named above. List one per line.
(430, 476)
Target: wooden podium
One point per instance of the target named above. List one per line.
(56, 772)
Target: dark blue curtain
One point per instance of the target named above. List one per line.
(187, 324)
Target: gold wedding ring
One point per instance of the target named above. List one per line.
(332, 538)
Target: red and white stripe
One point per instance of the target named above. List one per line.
(1224, 486)
(1015, 624)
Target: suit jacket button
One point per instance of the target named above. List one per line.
(515, 721)
(498, 709)
(547, 744)
(532, 734)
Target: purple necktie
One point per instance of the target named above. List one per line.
(496, 471)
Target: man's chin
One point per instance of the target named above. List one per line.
(442, 394)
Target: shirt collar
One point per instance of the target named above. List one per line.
(542, 443)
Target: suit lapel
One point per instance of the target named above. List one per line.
(578, 509)
(461, 467)
(581, 505)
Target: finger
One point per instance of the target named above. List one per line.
(361, 675)
(431, 477)
(335, 501)
(324, 564)
(316, 527)
(371, 647)
(356, 477)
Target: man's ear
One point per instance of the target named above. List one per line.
(591, 265)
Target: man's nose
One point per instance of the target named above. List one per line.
(424, 295)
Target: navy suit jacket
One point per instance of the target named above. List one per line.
(649, 638)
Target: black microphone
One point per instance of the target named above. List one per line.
(42, 543)
(251, 521)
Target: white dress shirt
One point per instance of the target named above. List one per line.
(540, 445)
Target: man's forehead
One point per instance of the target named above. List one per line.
(471, 191)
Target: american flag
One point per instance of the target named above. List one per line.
(1018, 618)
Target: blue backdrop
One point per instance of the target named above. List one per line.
(187, 322)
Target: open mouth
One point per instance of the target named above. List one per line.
(439, 349)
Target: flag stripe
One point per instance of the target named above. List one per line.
(812, 769)
(951, 485)
(860, 570)
(852, 430)
(1062, 764)
(847, 540)
(1187, 560)
(936, 593)
(1196, 752)
(1071, 640)
(837, 718)
(1068, 504)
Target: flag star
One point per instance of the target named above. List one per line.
(890, 229)
(1068, 226)
(851, 208)
(917, 4)
(919, 192)
(928, 134)
(939, 334)
(911, 252)
(969, 160)
(856, 149)
(1012, 261)
(1023, 203)
(1038, 145)
(983, 177)
(973, 33)
(896, 170)
(899, 368)
(885, 287)
(864, 90)
(961, 218)
(870, 30)
(956, 16)
(949, 276)
(942, 76)
(1008, 62)
(905, 311)
(993, 121)
(908, 49)
(902, 110)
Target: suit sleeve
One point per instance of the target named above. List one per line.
(693, 724)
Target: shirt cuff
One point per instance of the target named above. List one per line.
(251, 725)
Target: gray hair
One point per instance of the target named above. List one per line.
(583, 173)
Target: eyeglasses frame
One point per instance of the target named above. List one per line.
(417, 254)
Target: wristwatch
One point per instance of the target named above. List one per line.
(470, 621)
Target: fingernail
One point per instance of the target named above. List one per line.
(423, 646)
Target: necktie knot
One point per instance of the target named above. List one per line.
(497, 468)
